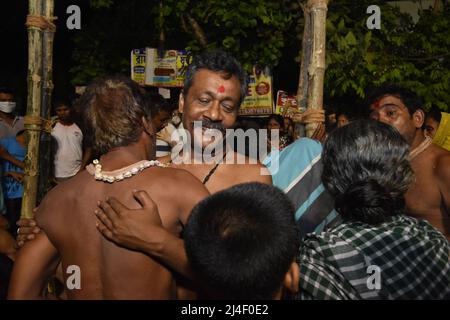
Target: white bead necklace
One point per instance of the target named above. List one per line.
(120, 174)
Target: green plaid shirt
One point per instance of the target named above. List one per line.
(403, 258)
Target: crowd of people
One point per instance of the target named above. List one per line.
(361, 212)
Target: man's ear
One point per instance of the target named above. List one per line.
(419, 118)
(292, 278)
(148, 126)
(181, 102)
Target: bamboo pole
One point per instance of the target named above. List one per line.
(302, 89)
(47, 88)
(316, 69)
(33, 110)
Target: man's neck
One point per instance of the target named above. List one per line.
(9, 117)
(418, 139)
(123, 156)
(66, 122)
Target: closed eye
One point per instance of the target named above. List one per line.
(204, 101)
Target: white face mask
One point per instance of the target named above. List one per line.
(7, 106)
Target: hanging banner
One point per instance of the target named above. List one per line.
(166, 69)
(259, 99)
(286, 104)
(150, 68)
(138, 66)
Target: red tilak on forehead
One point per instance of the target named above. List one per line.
(221, 89)
(376, 104)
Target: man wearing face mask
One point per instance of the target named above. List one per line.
(10, 124)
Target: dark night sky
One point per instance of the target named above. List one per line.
(14, 47)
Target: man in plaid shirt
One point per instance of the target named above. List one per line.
(377, 252)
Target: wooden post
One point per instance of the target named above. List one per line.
(47, 89)
(316, 69)
(34, 99)
(302, 89)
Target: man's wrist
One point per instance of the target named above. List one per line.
(158, 244)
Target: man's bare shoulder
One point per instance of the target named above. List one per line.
(251, 171)
(442, 165)
(59, 198)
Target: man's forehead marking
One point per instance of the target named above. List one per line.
(221, 89)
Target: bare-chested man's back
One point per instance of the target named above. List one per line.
(107, 270)
(119, 127)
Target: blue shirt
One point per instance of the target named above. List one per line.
(12, 189)
(299, 174)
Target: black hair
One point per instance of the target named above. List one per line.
(434, 113)
(217, 61)
(157, 104)
(411, 100)
(278, 118)
(112, 109)
(242, 241)
(7, 90)
(351, 112)
(62, 102)
(366, 169)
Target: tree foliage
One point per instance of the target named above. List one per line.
(415, 55)
(262, 31)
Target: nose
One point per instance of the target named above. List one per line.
(214, 113)
(375, 115)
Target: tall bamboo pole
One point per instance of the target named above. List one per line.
(33, 111)
(47, 88)
(316, 69)
(302, 89)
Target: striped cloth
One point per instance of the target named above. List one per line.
(403, 258)
(162, 148)
(299, 176)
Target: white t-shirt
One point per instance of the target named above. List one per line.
(10, 131)
(69, 153)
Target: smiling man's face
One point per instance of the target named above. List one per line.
(213, 100)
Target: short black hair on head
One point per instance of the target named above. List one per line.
(351, 112)
(241, 241)
(62, 102)
(278, 118)
(7, 90)
(410, 99)
(157, 104)
(366, 169)
(434, 113)
(218, 61)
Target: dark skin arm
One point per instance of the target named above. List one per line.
(5, 155)
(36, 262)
(28, 229)
(6, 240)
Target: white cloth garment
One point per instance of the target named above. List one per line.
(69, 152)
(10, 131)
